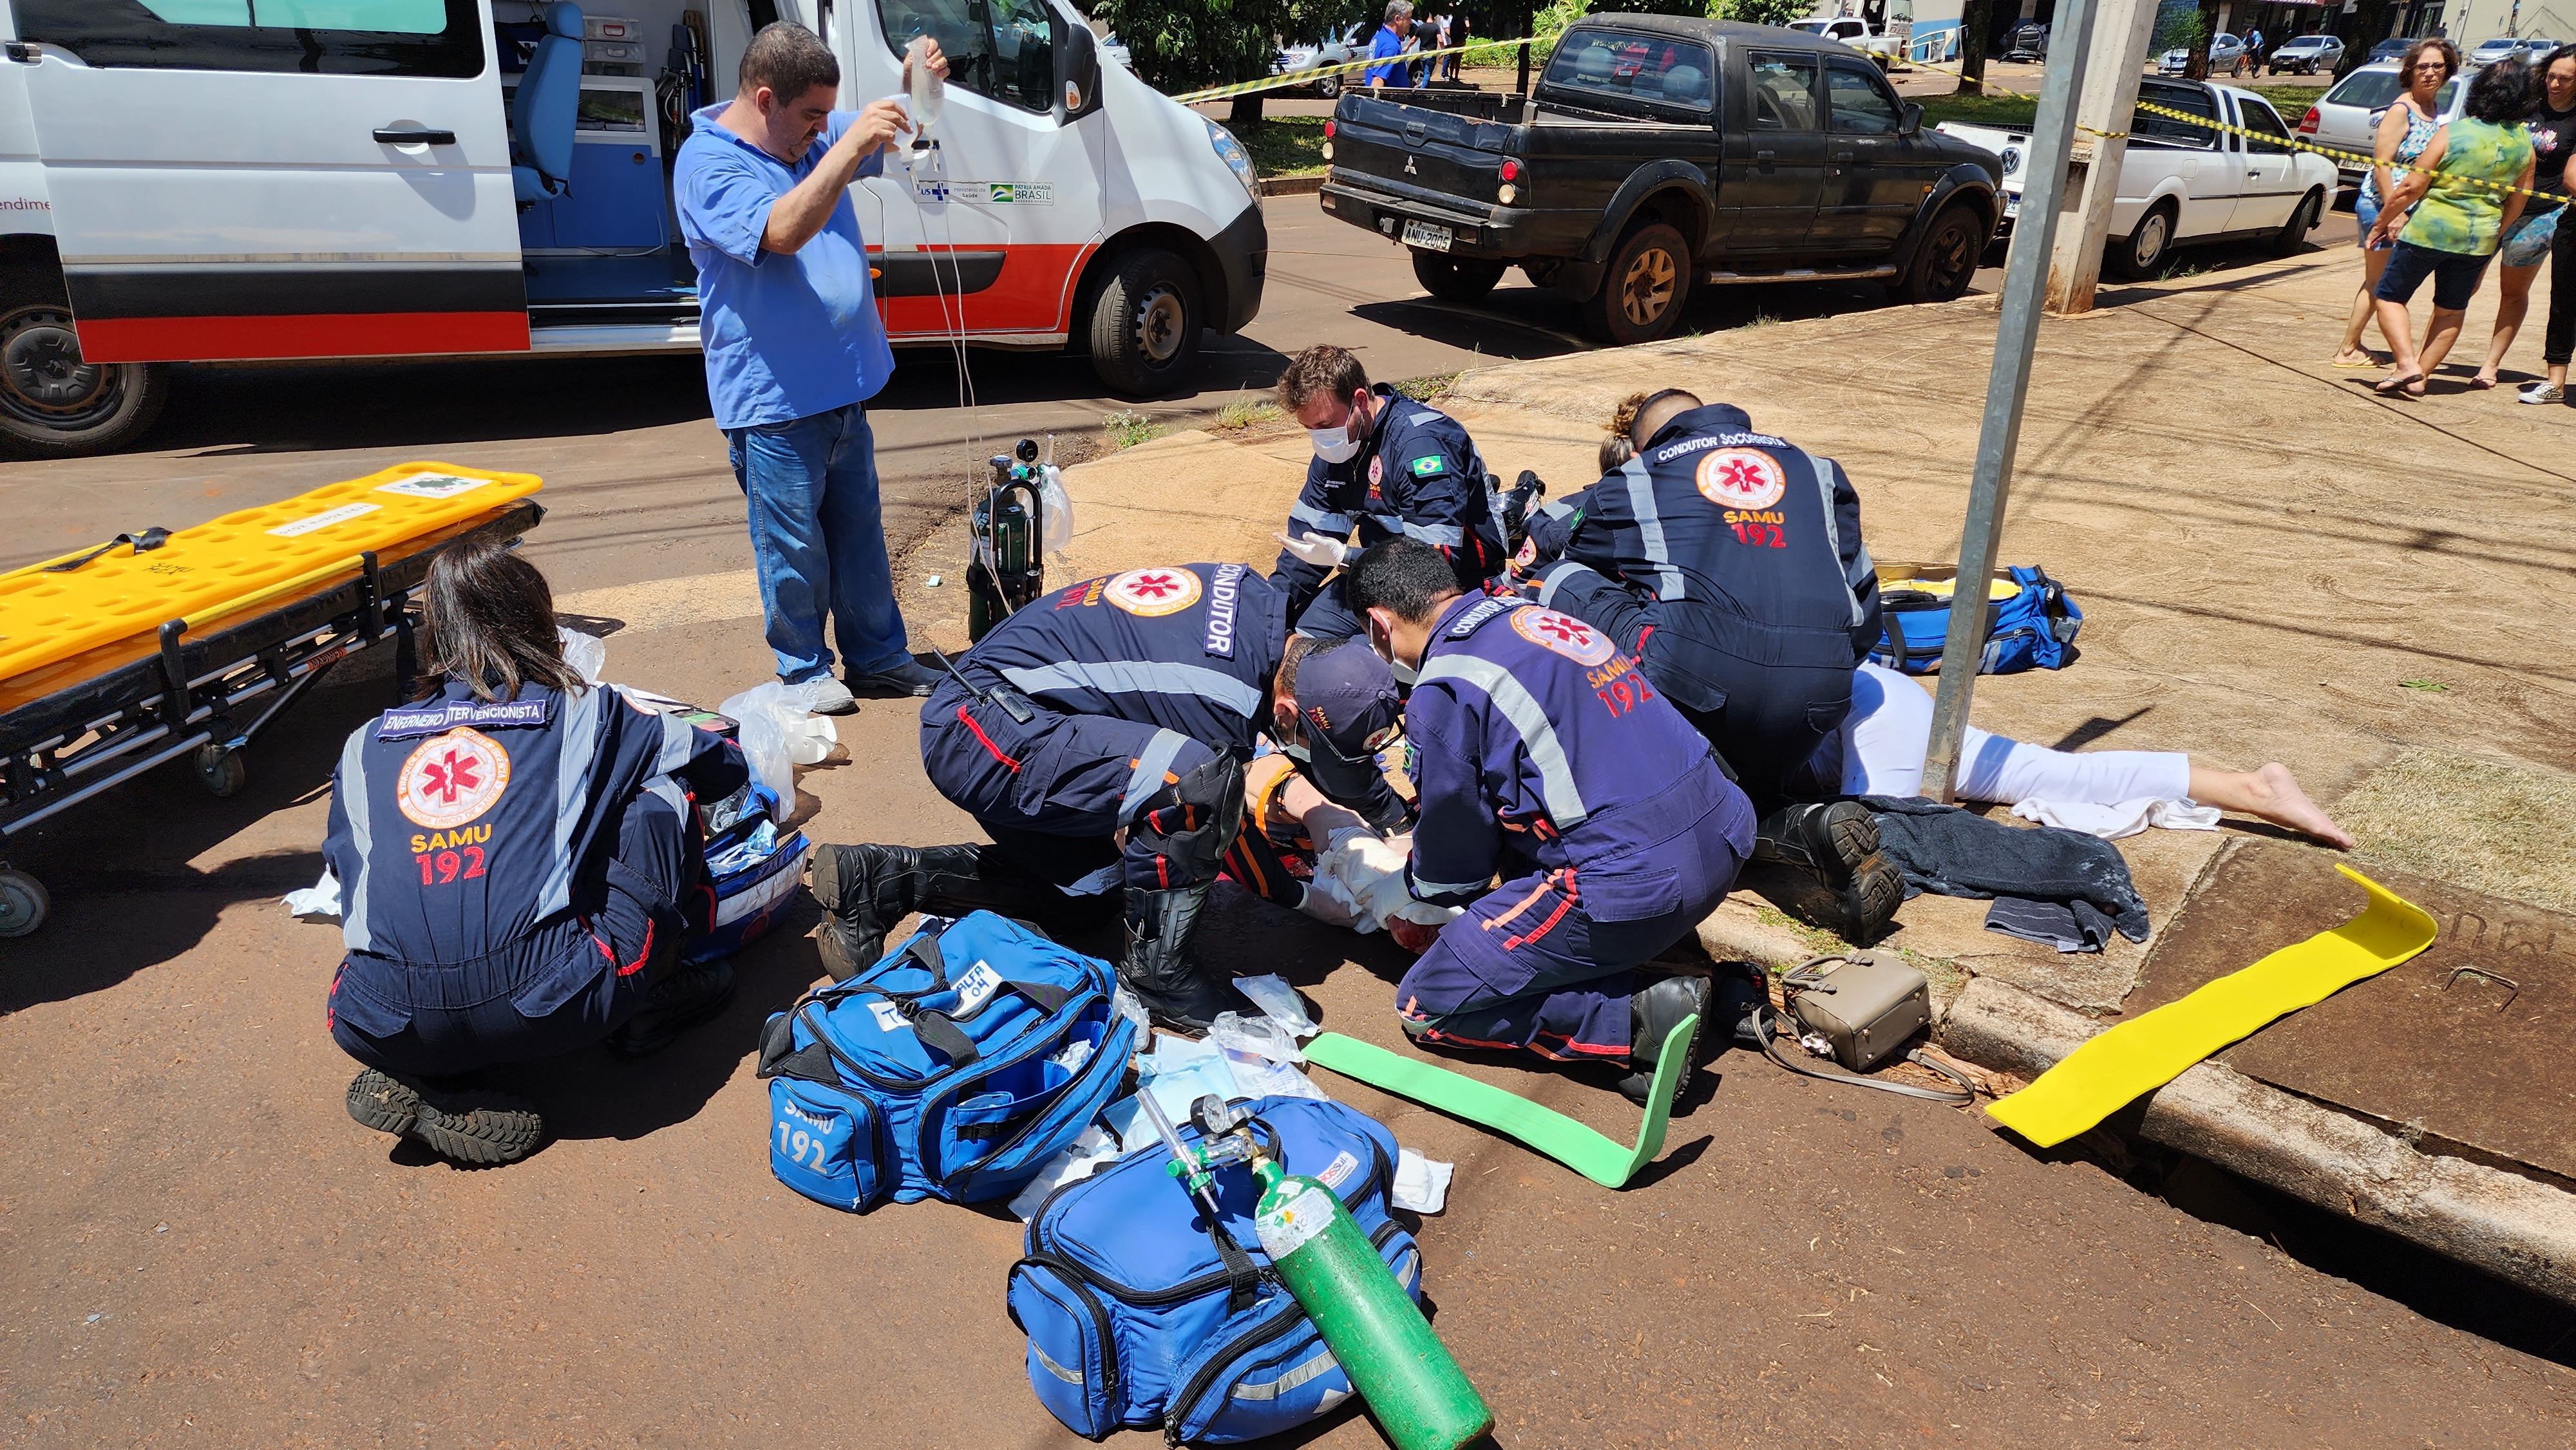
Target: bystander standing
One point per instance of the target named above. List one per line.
(2406, 127)
(2455, 211)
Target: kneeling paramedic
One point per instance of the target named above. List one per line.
(1099, 737)
(1730, 563)
(520, 860)
(1546, 758)
(1386, 467)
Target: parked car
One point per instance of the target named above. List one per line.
(1658, 153)
(2390, 49)
(2028, 41)
(1854, 31)
(2347, 116)
(2527, 48)
(2183, 185)
(2226, 53)
(2306, 55)
(1350, 45)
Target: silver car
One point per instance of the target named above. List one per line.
(2226, 56)
(2348, 113)
(2307, 55)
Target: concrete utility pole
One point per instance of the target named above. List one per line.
(2044, 192)
(2120, 33)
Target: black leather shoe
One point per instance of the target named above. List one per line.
(1652, 1014)
(865, 890)
(909, 678)
(1176, 991)
(1834, 837)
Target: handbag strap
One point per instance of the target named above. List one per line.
(1768, 1022)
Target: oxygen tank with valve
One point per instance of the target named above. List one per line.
(1005, 570)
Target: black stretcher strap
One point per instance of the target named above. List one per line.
(144, 543)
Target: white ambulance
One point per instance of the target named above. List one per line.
(198, 180)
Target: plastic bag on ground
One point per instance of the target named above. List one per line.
(587, 654)
(1058, 509)
(779, 731)
(1076, 1160)
(1278, 1002)
(1421, 1184)
(1261, 1078)
(1243, 1038)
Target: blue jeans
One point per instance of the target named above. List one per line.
(818, 539)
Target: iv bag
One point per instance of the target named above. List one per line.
(928, 93)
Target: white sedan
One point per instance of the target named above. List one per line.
(2183, 184)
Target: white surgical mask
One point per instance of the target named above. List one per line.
(1298, 753)
(1334, 445)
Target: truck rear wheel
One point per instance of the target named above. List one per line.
(1455, 279)
(52, 404)
(1945, 261)
(1643, 290)
(1145, 324)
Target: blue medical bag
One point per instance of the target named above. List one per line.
(954, 1069)
(1136, 1318)
(2034, 628)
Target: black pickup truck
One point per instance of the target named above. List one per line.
(1655, 153)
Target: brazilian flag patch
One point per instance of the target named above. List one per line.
(1425, 467)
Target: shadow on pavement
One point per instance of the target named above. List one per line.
(221, 412)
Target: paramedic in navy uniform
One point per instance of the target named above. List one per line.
(1101, 745)
(1730, 563)
(795, 349)
(1547, 759)
(519, 858)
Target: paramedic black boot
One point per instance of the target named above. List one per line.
(1175, 991)
(1820, 863)
(1653, 1013)
(1831, 837)
(466, 1125)
(865, 890)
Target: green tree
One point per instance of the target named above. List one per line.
(1756, 12)
(1182, 45)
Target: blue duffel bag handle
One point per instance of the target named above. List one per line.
(936, 1029)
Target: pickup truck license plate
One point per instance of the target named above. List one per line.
(1426, 235)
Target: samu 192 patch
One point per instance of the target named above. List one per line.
(1425, 467)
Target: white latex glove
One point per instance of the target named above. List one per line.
(1317, 550)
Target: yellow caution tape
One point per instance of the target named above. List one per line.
(1304, 77)
(2136, 1057)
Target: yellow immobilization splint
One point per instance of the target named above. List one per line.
(2139, 1056)
(57, 609)
(1997, 590)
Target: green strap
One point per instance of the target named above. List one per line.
(1550, 1132)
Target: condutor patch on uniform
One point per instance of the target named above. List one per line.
(1741, 478)
(1564, 634)
(1154, 592)
(452, 778)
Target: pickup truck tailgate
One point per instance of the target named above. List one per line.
(1413, 150)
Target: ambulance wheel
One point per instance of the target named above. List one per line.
(1455, 279)
(1145, 324)
(222, 772)
(52, 404)
(23, 903)
(1644, 288)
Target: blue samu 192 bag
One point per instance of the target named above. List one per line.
(954, 1069)
(1137, 1318)
(2033, 629)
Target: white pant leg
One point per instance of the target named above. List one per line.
(1889, 731)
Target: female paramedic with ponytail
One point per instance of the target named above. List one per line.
(520, 858)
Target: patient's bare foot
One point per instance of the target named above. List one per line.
(2274, 795)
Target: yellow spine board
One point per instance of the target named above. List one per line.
(2107, 1072)
(210, 571)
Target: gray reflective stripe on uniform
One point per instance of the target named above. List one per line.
(1138, 677)
(1425, 890)
(1555, 774)
(575, 755)
(1392, 523)
(679, 743)
(1147, 777)
(1446, 536)
(1322, 1364)
(1556, 574)
(1070, 1377)
(1315, 518)
(1557, 508)
(354, 804)
(1650, 530)
(1861, 566)
(1426, 415)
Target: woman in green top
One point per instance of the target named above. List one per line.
(2447, 218)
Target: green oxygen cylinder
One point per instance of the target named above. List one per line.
(1422, 1400)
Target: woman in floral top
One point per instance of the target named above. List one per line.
(2449, 216)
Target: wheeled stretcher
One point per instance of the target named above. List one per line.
(120, 658)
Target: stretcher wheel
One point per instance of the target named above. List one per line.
(23, 903)
(222, 772)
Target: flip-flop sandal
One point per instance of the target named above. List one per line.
(2482, 384)
(2357, 367)
(2405, 387)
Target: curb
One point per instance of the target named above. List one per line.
(1292, 185)
(2504, 1224)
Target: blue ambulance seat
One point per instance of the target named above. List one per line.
(543, 110)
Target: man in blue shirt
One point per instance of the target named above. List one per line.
(1388, 47)
(795, 348)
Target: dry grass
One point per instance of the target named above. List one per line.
(2500, 829)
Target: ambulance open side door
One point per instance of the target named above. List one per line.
(990, 236)
(276, 178)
